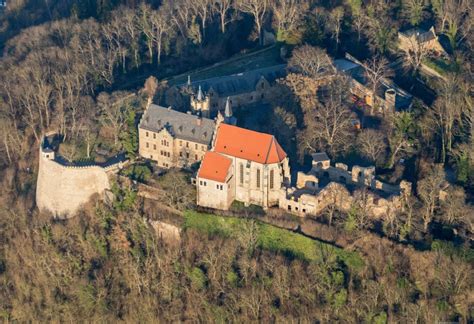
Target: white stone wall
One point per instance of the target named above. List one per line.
(214, 194)
(62, 190)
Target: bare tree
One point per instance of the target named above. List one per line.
(311, 62)
(400, 136)
(258, 9)
(163, 30)
(335, 19)
(112, 114)
(371, 144)
(413, 10)
(328, 127)
(454, 19)
(223, 8)
(429, 188)
(376, 70)
(446, 111)
(415, 56)
(288, 16)
(202, 9)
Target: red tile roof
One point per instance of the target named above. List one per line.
(249, 145)
(214, 166)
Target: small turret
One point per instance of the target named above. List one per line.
(228, 118)
(201, 103)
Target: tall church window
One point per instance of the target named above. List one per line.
(258, 178)
(241, 174)
(272, 174)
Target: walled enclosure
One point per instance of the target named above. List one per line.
(63, 189)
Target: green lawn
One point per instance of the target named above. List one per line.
(273, 239)
(239, 63)
(441, 66)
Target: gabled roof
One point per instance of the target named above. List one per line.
(231, 85)
(249, 145)
(214, 166)
(181, 125)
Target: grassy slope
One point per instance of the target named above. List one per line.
(273, 239)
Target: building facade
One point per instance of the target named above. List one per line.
(417, 39)
(255, 168)
(172, 138)
(210, 96)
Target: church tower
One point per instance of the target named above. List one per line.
(201, 103)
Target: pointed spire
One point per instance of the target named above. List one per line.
(200, 96)
(189, 80)
(228, 108)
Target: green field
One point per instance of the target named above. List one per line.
(272, 238)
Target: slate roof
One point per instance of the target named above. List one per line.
(319, 157)
(181, 125)
(244, 82)
(249, 145)
(421, 34)
(215, 167)
(357, 72)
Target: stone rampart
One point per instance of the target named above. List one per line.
(62, 189)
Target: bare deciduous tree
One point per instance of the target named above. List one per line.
(288, 16)
(371, 144)
(376, 70)
(258, 9)
(428, 189)
(311, 62)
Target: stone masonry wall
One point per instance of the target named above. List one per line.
(63, 189)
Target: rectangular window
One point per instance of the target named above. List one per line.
(180, 154)
(154, 146)
(180, 143)
(187, 155)
(202, 148)
(146, 134)
(258, 178)
(187, 144)
(196, 157)
(151, 156)
(241, 174)
(196, 146)
(154, 136)
(272, 174)
(147, 145)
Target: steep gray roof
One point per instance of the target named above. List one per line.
(319, 157)
(420, 34)
(181, 125)
(234, 84)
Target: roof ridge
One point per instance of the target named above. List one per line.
(269, 149)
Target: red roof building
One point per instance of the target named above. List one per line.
(249, 145)
(214, 167)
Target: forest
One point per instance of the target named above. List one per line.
(64, 65)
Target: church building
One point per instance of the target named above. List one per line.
(244, 165)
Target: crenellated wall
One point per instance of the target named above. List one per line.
(62, 189)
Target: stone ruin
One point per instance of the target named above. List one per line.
(325, 185)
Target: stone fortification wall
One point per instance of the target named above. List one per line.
(63, 189)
